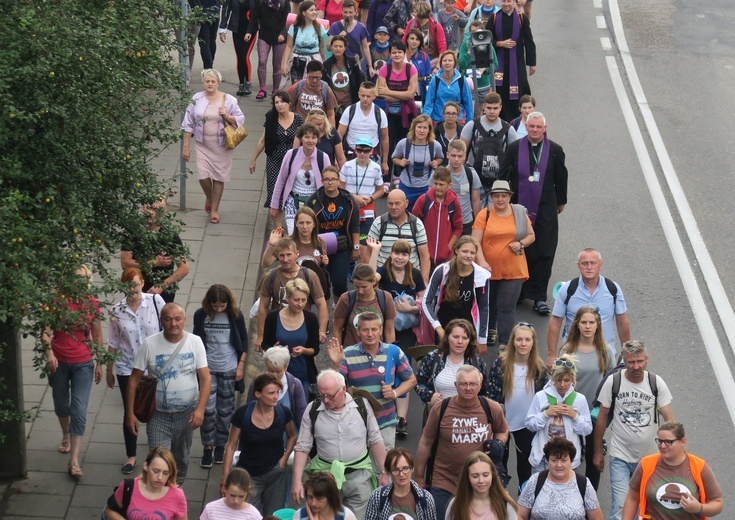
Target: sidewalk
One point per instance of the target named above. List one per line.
(227, 253)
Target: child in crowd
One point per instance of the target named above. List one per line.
(484, 11)
(453, 20)
(234, 504)
(380, 51)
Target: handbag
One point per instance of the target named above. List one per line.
(233, 134)
(145, 393)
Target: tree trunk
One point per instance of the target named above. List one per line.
(13, 448)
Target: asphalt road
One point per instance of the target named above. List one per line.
(682, 52)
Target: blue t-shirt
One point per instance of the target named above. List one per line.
(307, 40)
(291, 339)
(354, 37)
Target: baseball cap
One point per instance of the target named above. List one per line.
(364, 141)
(382, 29)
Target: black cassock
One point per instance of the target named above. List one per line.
(540, 254)
(525, 56)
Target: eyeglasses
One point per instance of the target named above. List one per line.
(667, 442)
(525, 324)
(325, 397)
(563, 363)
(307, 176)
(466, 384)
(330, 180)
(364, 150)
(450, 114)
(315, 78)
(404, 469)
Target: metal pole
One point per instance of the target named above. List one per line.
(184, 60)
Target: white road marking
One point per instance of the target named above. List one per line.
(601, 24)
(606, 45)
(703, 258)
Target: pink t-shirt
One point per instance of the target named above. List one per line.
(171, 506)
(218, 510)
(396, 76)
(333, 12)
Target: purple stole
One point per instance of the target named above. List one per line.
(529, 192)
(512, 53)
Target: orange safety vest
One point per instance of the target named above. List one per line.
(648, 466)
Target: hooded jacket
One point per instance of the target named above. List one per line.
(442, 221)
(440, 92)
(536, 421)
(480, 306)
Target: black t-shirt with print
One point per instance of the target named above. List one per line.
(462, 308)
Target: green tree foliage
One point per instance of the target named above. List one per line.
(90, 92)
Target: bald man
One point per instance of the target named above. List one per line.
(399, 224)
(180, 400)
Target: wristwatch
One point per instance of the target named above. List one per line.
(356, 247)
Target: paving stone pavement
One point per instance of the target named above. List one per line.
(228, 253)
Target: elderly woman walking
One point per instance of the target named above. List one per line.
(205, 121)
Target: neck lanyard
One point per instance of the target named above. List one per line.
(537, 158)
(364, 174)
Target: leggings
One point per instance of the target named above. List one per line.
(263, 50)
(242, 52)
(503, 298)
(208, 43)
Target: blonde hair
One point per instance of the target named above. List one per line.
(318, 112)
(423, 118)
(212, 72)
(297, 285)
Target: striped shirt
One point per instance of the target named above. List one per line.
(393, 233)
(364, 371)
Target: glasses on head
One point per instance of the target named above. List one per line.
(468, 384)
(667, 442)
(404, 469)
(563, 363)
(525, 324)
(364, 150)
(330, 180)
(307, 177)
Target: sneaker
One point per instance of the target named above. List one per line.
(241, 90)
(207, 458)
(261, 95)
(248, 89)
(219, 454)
(492, 337)
(402, 428)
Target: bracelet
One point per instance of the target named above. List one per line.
(395, 396)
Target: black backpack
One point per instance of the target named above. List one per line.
(617, 375)
(412, 219)
(378, 119)
(352, 299)
(314, 413)
(574, 284)
(581, 485)
(488, 149)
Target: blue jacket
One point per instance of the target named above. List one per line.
(422, 62)
(440, 92)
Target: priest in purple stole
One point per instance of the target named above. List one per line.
(515, 49)
(534, 166)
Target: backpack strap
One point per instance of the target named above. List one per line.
(272, 281)
(654, 390)
(127, 493)
(468, 173)
(571, 289)
(325, 93)
(412, 222)
(582, 487)
(383, 225)
(319, 159)
(313, 414)
(351, 299)
(540, 482)
(486, 406)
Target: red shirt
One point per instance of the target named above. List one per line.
(71, 346)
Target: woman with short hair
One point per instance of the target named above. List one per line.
(205, 121)
(562, 493)
(402, 495)
(322, 500)
(672, 480)
(292, 394)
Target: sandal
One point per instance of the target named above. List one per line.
(214, 220)
(261, 95)
(75, 470)
(208, 208)
(541, 308)
(65, 446)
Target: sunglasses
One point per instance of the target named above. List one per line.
(307, 175)
(364, 150)
(525, 324)
(563, 363)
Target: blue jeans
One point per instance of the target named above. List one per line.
(71, 385)
(441, 500)
(620, 473)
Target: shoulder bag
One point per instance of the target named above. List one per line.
(233, 134)
(145, 392)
